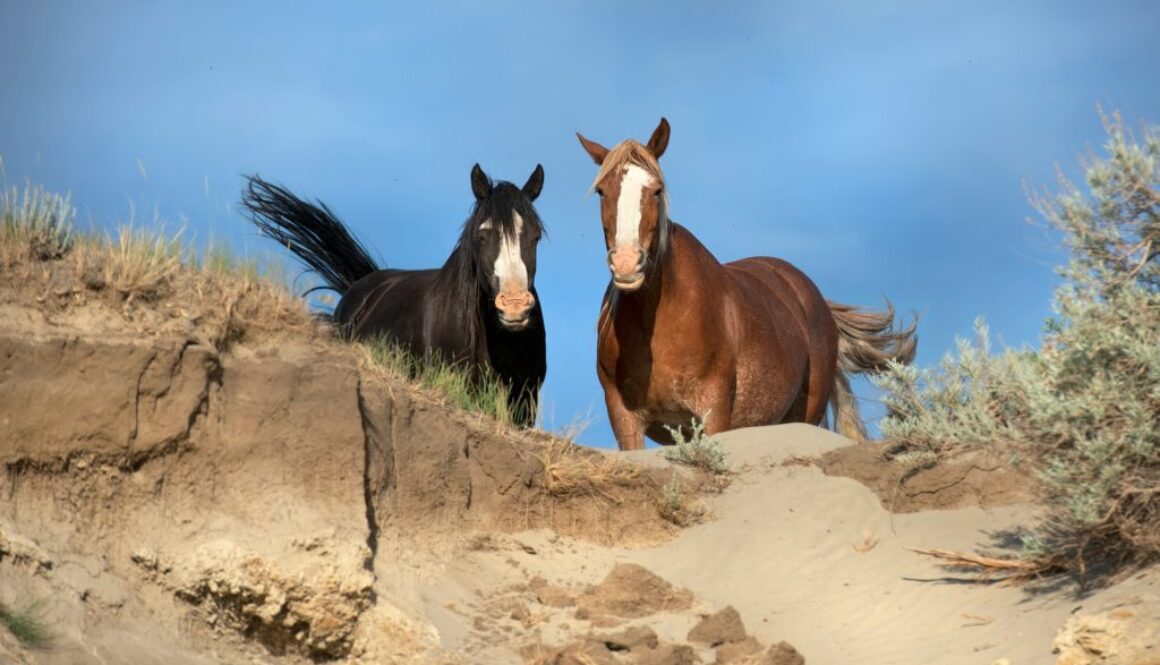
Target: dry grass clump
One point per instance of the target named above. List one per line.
(206, 295)
(1082, 411)
(569, 470)
(35, 225)
(141, 262)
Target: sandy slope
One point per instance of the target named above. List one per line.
(786, 549)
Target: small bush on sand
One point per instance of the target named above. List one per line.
(1083, 410)
(697, 449)
(964, 402)
(28, 624)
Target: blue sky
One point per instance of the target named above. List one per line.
(882, 147)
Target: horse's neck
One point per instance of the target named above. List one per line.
(689, 247)
(674, 282)
(457, 306)
(681, 265)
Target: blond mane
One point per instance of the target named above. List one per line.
(625, 153)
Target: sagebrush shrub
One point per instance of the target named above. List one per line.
(698, 449)
(1083, 410)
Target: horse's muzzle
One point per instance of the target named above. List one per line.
(515, 308)
(627, 266)
(628, 282)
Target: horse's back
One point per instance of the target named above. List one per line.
(385, 303)
(802, 321)
(784, 279)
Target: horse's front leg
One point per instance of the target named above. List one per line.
(626, 425)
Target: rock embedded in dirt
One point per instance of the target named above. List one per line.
(22, 551)
(738, 653)
(669, 654)
(582, 652)
(637, 645)
(310, 608)
(632, 591)
(720, 628)
(782, 653)
(972, 479)
(631, 639)
(1128, 634)
(550, 594)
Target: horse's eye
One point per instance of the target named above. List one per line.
(659, 192)
(599, 192)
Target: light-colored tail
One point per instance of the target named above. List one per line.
(867, 342)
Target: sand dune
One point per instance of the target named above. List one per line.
(806, 558)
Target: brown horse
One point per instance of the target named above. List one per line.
(751, 342)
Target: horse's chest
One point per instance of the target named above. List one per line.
(669, 391)
(659, 377)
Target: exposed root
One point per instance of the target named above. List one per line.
(1015, 571)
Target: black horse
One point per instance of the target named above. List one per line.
(479, 311)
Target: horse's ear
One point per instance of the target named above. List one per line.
(480, 183)
(659, 139)
(596, 151)
(535, 183)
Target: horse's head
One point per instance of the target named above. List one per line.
(633, 204)
(503, 232)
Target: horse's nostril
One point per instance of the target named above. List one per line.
(626, 260)
(515, 303)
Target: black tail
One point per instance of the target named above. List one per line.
(314, 233)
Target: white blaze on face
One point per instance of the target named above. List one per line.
(509, 265)
(628, 206)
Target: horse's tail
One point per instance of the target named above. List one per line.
(311, 231)
(867, 342)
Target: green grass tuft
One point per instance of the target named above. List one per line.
(28, 624)
(487, 395)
